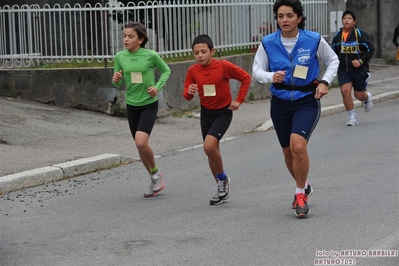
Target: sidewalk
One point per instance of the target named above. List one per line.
(43, 143)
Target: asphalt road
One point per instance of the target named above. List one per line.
(103, 219)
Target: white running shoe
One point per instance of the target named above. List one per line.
(224, 188)
(222, 193)
(352, 121)
(215, 200)
(369, 104)
(157, 184)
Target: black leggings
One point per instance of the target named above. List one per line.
(142, 118)
(215, 122)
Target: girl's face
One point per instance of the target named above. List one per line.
(288, 21)
(348, 22)
(131, 40)
(203, 54)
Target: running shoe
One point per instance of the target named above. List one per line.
(215, 199)
(369, 104)
(302, 208)
(224, 188)
(308, 192)
(157, 184)
(223, 192)
(352, 121)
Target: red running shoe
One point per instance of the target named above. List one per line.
(308, 192)
(301, 202)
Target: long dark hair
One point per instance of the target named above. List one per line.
(141, 31)
(296, 6)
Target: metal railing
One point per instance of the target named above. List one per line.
(31, 34)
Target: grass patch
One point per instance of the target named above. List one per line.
(72, 64)
(251, 96)
(334, 85)
(391, 60)
(182, 113)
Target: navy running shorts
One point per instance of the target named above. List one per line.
(359, 79)
(215, 122)
(142, 118)
(299, 117)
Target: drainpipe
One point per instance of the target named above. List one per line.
(379, 38)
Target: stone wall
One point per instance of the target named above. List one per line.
(377, 17)
(92, 89)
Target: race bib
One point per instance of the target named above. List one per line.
(209, 90)
(349, 48)
(136, 77)
(300, 72)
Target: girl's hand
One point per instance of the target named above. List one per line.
(117, 76)
(152, 91)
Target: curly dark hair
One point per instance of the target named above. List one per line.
(141, 31)
(296, 6)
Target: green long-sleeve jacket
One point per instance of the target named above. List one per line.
(138, 74)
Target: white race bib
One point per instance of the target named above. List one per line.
(209, 90)
(300, 72)
(136, 77)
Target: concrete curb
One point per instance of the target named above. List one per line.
(74, 168)
(61, 171)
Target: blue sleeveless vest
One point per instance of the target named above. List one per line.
(304, 54)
